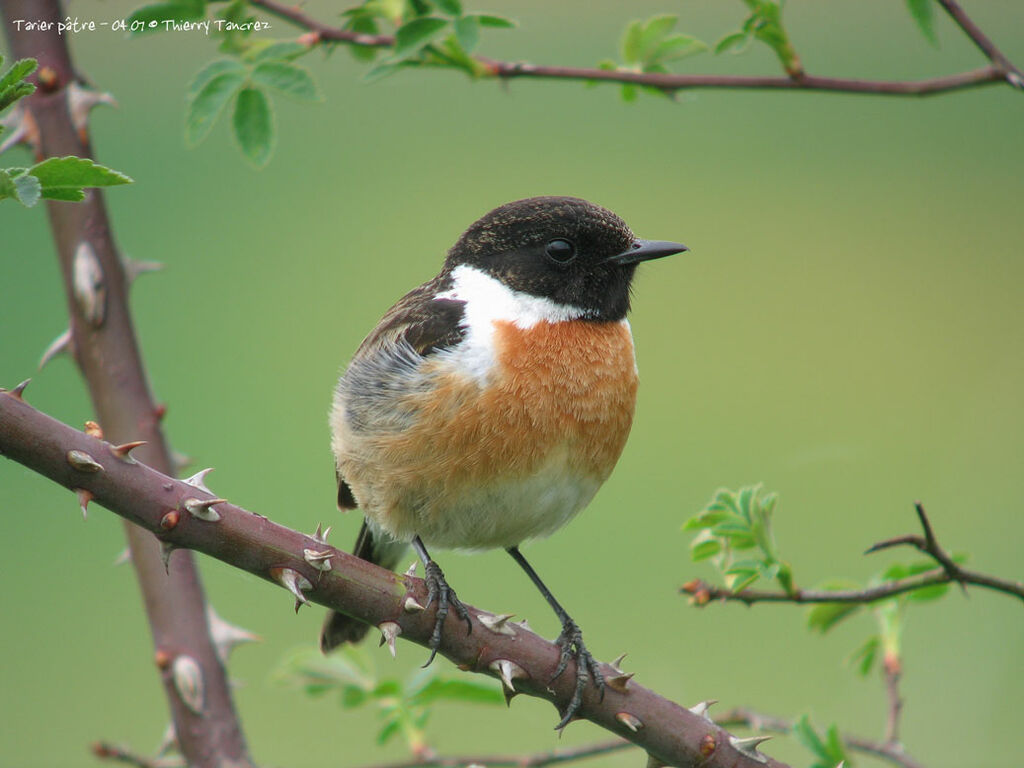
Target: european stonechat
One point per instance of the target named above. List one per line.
(490, 403)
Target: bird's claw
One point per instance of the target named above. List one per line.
(438, 589)
(571, 644)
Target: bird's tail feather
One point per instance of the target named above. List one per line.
(376, 548)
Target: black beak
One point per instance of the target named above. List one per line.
(645, 250)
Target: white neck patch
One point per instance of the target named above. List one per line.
(488, 300)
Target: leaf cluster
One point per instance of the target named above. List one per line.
(649, 46)
(828, 750)
(247, 81)
(56, 178)
(437, 33)
(403, 706)
(764, 23)
(888, 614)
(735, 534)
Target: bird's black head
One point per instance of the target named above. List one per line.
(559, 248)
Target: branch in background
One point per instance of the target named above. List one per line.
(105, 349)
(742, 716)
(893, 670)
(948, 571)
(999, 69)
(186, 516)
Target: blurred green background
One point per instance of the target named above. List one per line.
(847, 329)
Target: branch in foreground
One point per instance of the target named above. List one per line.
(106, 351)
(187, 516)
(889, 751)
(999, 70)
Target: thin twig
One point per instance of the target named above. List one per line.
(106, 751)
(535, 760)
(948, 571)
(1010, 73)
(1000, 71)
(704, 592)
(893, 670)
(742, 716)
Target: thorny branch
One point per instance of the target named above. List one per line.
(703, 592)
(739, 717)
(185, 515)
(999, 69)
(103, 343)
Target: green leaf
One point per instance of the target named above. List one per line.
(364, 24)
(60, 174)
(452, 7)
(823, 616)
(284, 51)
(381, 70)
(494, 22)
(287, 78)
(459, 690)
(210, 71)
(708, 518)
(631, 43)
(865, 655)
(205, 108)
(467, 32)
(806, 735)
(452, 51)
(747, 496)
(353, 696)
(389, 729)
(27, 189)
(65, 195)
(836, 748)
(7, 187)
(19, 71)
(736, 42)
(921, 10)
(254, 125)
(925, 594)
(726, 498)
(742, 579)
(411, 37)
(20, 186)
(13, 85)
(653, 31)
(702, 550)
(151, 18)
(387, 689)
(677, 47)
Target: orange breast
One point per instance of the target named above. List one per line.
(567, 386)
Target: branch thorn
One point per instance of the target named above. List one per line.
(59, 346)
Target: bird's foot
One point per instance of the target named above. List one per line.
(571, 644)
(438, 589)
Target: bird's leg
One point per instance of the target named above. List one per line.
(570, 641)
(437, 588)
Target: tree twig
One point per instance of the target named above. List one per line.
(185, 515)
(948, 571)
(742, 716)
(893, 670)
(999, 71)
(534, 760)
(107, 353)
(1010, 73)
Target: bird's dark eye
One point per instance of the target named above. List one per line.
(560, 251)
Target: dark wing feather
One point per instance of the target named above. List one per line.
(417, 326)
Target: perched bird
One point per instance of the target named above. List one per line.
(490, 403)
